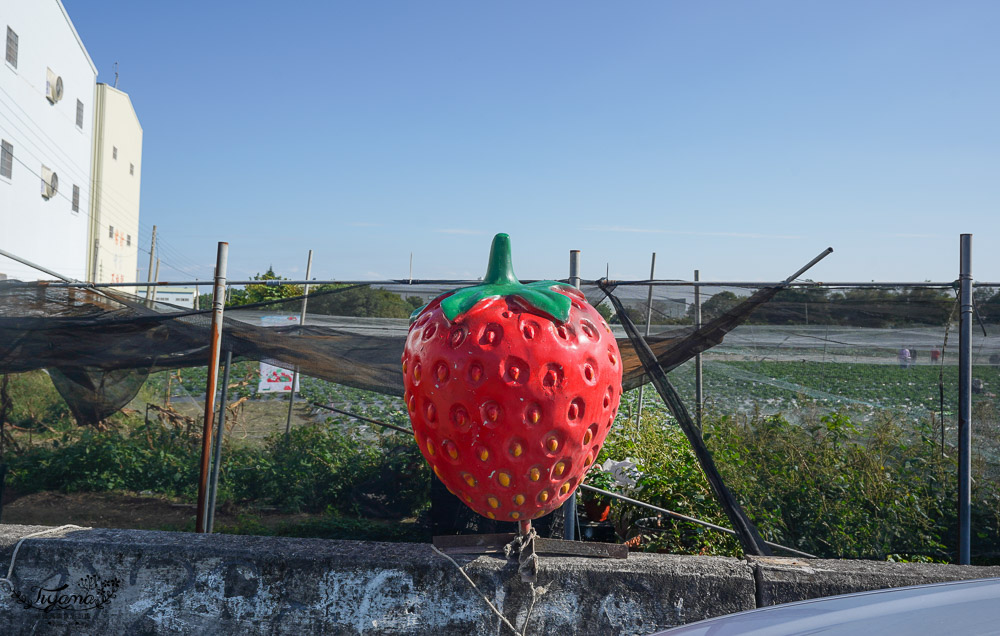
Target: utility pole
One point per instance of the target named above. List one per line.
(149, 272)
(156, 278)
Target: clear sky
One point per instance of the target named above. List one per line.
(738, 138)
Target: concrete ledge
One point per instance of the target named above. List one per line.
(180, 583)
(136, 582)
(781, 580)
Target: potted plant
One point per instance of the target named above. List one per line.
(595, 505)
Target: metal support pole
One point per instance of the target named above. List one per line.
(45, 270)
(156, 279)
(574, 268)
(649, 318)
(965, 402)
(302, 321)
(213, 486)
(699, 393)
(215, 344)
(569, 508)
(152, 256)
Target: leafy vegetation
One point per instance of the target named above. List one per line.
(836, 459)
(315, 469)
(363, 302)
(744, 385)
(830, 486)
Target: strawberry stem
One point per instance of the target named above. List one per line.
(540, 297)
(500, 269)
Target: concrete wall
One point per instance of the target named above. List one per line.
(178, 583)
(45, 231)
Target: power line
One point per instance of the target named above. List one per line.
(39, 132)
(113, 195)
(83, 188)
(62, 194)
(55, 148)
(108, 209)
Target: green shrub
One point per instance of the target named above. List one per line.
(315, 468)
(35, 403)
(830, 486)
(147, 457)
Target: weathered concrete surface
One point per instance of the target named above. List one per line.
(781, 580)
(179, 583)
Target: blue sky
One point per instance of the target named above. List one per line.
(739, 138)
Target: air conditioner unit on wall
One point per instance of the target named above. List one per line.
(53, 86)
(50, 183)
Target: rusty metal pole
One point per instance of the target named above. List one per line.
(213, 482)
(215, 345)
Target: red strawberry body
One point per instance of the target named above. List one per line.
(512, 396)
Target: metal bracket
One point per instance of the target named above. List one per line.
(495, 543)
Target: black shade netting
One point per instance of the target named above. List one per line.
(99, 345)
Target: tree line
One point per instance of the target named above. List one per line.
(861, 307)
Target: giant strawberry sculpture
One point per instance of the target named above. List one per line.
(511, 390)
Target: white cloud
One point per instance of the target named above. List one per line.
(637, 230)
(458, 231)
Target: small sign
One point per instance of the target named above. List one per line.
(275, 379)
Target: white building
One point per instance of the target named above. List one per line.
(180, 296)
(47, 86)
(114, 194)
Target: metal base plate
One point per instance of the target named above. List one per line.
(495, 543)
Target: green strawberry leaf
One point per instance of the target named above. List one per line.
(500, 281)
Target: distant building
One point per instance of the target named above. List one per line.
(47, 90)
(180, 296)
(114, 194)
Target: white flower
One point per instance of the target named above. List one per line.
(625, 473)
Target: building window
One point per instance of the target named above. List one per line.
(114, 152)
(111, 231)
(131, 168)
(128, 240)
(6, 159)
(79, 114)
(76, 198)
(11, 47)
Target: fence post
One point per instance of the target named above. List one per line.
(215, 344)
(213, 486)
(569, 508)
(649, 317)
(699, 393)
(965, 402)
(302, 321)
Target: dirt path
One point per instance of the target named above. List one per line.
(118, 510)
